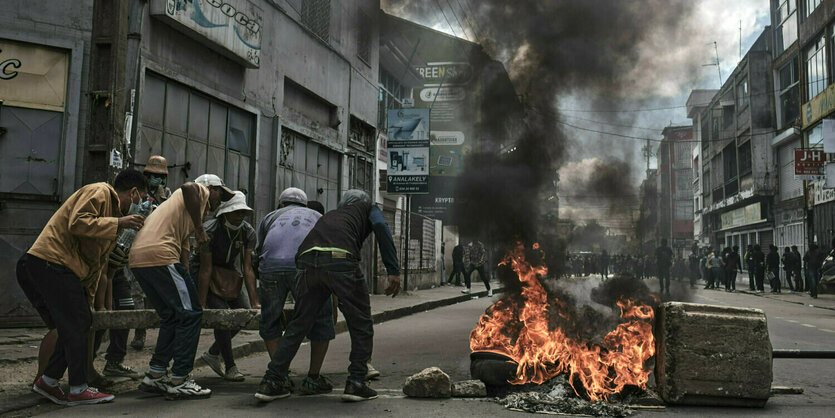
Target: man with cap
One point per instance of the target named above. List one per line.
(328, 263)
(158, 260)
(279, 236)
(62, 270)
(156, 170)
(231, 241)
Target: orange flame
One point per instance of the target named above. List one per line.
(542, 353)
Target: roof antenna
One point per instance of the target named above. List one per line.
(716, 63)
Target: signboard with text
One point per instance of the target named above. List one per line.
(408, 151)
(742, 216)
(231, 27)
(33, 76)
(809, 164)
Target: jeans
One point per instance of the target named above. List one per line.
(273, 293)
(457, 272)
(173, 294)
(59, 298)
(730, 280)
(223, 337)
(814, 277)
(322, 275)
(481, 273)
(759, 275)
(788, 274)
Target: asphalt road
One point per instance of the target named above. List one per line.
(440, 338)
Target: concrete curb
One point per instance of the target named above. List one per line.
(767, 296)
(253, 347)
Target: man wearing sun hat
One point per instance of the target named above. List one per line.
(158, 260)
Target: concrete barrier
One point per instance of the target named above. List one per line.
(148, 318)
(712, 355)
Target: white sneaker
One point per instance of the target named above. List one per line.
(372, 372)
(490, 293)
(158, 385)
(215, 362)
(465, 290)
(188, 389)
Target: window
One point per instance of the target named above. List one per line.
(742, 93)
(706, 182)
(705, 133)
(814, 136)
(390, 95)
(790, 186)
(684, 184)
(745, 164)
(714, 133)
(816, 68)
(683, 210)
(310, 167)
(316, 15)
(729, 164)
(785, 34)
(789, 100)
(728, 116)
(364, 27)
(361, 135)
(810, 6)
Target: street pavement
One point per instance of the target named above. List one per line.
(439, 337)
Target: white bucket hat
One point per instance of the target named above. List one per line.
(209, 180)
(236, 203)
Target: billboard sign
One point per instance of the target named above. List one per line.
(408, 151)
(809, 164)
(231, 27)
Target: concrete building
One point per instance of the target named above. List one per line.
(789, 206)
(696, 104)
(737, 129)
(265, 93)
(648, 213)
(675, 186)
(815, 50)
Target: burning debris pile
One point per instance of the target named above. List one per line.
(556, 396)
(547, 336)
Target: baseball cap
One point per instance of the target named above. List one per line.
(209, 180)
(293, 195)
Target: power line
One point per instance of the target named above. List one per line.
(469, 21)
(451, 9)
(661, 140)
(445, 18)
(478, 25)
(613, 124)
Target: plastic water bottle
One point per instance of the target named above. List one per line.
(125, 239)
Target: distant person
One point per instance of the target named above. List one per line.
(815, 259)
(731, 268)
(797, 270)
(788, 266)
(772, 262)
(475, 258)
(604, 264)
(758, 265)
(715, 265)
(693, 266)
(457, 265)
(663, 262)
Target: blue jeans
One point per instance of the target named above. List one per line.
(173, 294)
(321, 275)
(272, 293)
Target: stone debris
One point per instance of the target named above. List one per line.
(557, 397)
(429, 383)
(469, 389)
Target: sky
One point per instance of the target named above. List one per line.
(669, 64)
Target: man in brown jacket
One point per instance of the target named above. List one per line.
(61, 272)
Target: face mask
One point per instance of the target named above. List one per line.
(134, 206)
(233, 227)
(156, 182)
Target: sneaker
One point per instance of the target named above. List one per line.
(465, 290)
(233, 375)
(317, 386)
(189, 389)
(357, 392)
(138, 342)
(118, 369)
(158, 385)
(53, 393)
(270, 390)
(490, 293)
(89, 396)
(372, 373)
(215, 362)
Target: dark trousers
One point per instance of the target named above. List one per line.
(664, 278)
(775, 282)
(751, 279)
(172, 293)
(789, 279)
(319, 276)
(122, 301)
(481, 273)
(759, 277)
(798, 279)
(457, 272)
(223, 337)
(730, 280)
(59, 298)
(814, 277)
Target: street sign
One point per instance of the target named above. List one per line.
(408, 151)
(809, 164)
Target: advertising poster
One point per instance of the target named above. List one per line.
(408, 151)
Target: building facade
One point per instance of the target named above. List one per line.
(696, 104)
(675, 197)
(737, 131)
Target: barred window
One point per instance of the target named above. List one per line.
(364, 37)
(316, 15)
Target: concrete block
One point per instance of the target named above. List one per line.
(148, 318)
(429, 383)
(469, 389)
(712, 355)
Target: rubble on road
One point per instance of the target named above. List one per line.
(429, 383)
(469, 389)
(557, 397)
